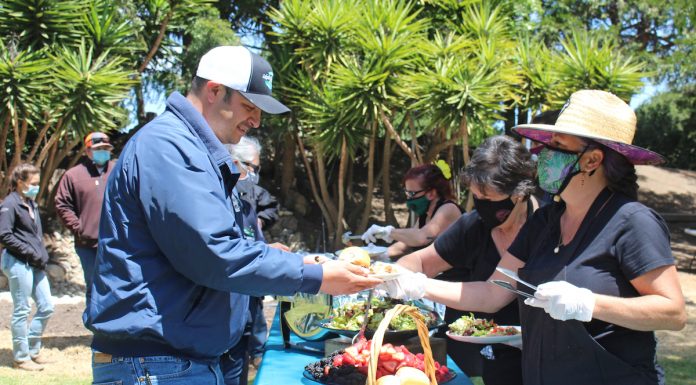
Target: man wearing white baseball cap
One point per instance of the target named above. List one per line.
(174, 270)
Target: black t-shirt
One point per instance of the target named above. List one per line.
(467, 245)
(618, 241)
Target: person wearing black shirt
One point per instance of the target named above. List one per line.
(501, 177)
(601, 262)
(429, 196)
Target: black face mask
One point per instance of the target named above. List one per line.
(493, 213)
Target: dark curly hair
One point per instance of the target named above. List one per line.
(504, 164)
(431, 177)
(620, 173)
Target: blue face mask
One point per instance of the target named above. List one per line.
(253, 177)
(31, 192)
(100, 157)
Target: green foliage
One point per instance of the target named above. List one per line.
(594, 62)
(205, 33)
(667, 125)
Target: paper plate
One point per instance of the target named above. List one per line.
(485, 340)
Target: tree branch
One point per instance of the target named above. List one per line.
(157, 42)
(396, 137)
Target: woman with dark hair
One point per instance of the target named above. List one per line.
(23, 262)
(429, 196)
(601, 265)
(501, 177)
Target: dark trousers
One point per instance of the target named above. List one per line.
(259, 330)
(88, 256)
(235, 363)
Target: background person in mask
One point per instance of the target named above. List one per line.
(23, 262)
(501, 177)
(79, 199)
(601, 261)
(260, 210)
(429, 196)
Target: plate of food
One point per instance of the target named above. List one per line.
(396, 365)
(386, 271)
(481, 331)
(347, 318)
(371, 249)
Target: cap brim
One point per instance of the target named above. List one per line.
(100, 145)
(266, 103)
(544, 132)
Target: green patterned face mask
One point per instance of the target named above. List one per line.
(556, 169)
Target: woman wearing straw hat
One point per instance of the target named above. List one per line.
(601, 261)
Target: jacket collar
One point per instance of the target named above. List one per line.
(182, 108)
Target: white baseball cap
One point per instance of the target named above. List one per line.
(240, 69)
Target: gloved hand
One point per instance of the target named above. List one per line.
(564, 301)
(378, 232)
(409, 286)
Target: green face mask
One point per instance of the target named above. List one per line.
(418, 205)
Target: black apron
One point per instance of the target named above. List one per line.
(563, 352)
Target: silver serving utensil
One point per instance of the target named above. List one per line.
(506, 285)
(513, 275)
(366, 320)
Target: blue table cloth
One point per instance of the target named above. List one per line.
(285, 366)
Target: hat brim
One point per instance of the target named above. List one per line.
(544, 132)
(266, 103)
(100, 145)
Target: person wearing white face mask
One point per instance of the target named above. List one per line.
(79, 199)
(260, 210)
(23, 262)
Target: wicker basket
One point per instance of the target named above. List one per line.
(423, 335)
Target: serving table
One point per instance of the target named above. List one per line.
(285, 366)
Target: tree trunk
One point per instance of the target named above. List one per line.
(464, 132)
(342, 166)
(42, 135)
(370, 181)
(414, 141)
(389, 216)
(321, 176)
(397, 138)
(288, 165)
(436, 148)
(140, 104)
(313, 184)
(3, 157)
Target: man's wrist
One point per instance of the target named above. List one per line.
(312, 276)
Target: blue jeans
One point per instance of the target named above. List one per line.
(27, 281)
(153, 370)
(88, 255)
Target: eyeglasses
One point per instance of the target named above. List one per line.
(411, 194)
(254, 167)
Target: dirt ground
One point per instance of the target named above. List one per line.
(66, 340)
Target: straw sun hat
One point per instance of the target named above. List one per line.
(599, 116)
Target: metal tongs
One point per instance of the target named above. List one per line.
(366, 320)
(508, 286)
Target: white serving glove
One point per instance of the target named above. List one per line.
(564, 301)
(409, 286)
(378, 232)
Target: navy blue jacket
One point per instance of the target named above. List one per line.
(172, 255)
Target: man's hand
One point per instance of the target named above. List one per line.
(341, 277)
(279, 246)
